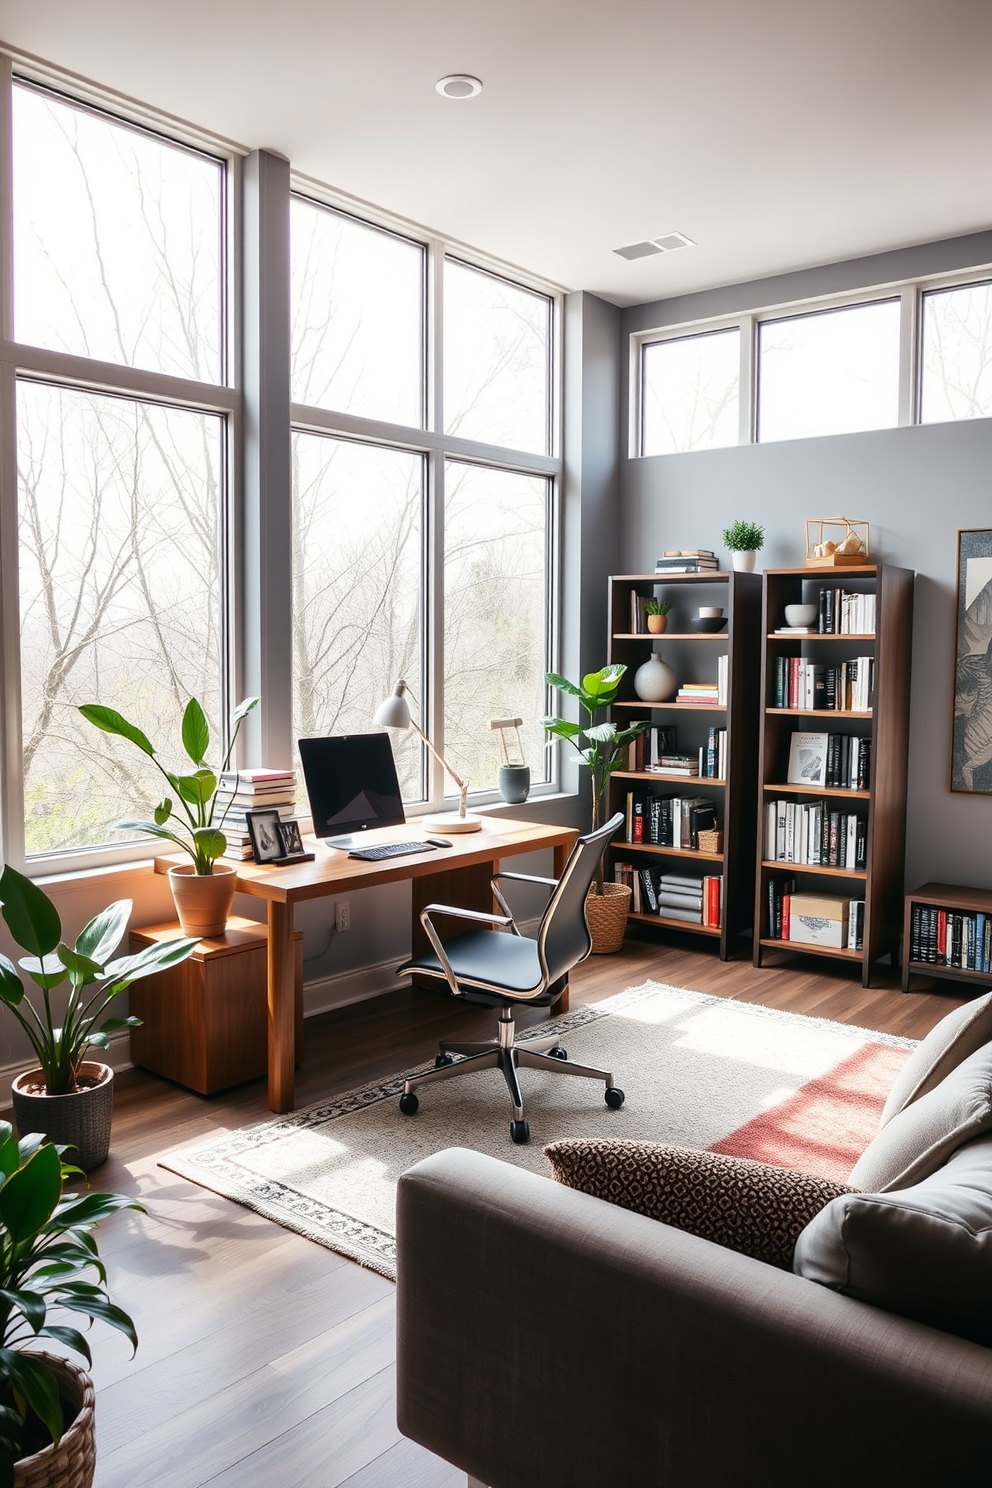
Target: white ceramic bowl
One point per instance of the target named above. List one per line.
(709, 612)
(801, 614)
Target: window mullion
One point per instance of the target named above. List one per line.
(909, 348)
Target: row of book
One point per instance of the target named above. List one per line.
(668, 820)
(654, 752)
(816, 833)
(845, 612)
(808, 685)
(828, 920)
(838, 761)
(687, 560)
(709, 694)
(673, 896)
(951, 937)
(241, 791)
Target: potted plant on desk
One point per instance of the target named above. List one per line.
(203, 890)
(48, 1258)
(67, 1098)
(602, 746)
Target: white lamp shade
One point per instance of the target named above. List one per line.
(395, 711)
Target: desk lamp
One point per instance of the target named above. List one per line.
(395, 713)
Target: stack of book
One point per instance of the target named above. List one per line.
(649, 747)
(253, 790)
(675, 764)
(673, 896)
(687, 560)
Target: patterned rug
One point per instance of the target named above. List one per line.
(697, 1070)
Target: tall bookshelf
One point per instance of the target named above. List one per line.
(879, 804)
(693, 657)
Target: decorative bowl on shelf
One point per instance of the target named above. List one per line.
(708, 624)
(801, 614)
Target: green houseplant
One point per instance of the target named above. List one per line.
(48, 1257)
(743, 540)
(601, 746)
(66, 1097)
(656, 611)
(188, 817)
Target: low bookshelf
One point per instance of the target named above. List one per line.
(946, 933)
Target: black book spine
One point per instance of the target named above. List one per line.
(861, 844)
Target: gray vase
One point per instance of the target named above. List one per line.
(514, 783)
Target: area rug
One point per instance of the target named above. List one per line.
(697, 1070)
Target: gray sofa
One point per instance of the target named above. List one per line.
(549, 1339)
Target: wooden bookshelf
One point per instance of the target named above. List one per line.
(952, 899)
(883, 803)
(693, 657)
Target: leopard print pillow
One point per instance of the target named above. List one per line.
(736, 1202)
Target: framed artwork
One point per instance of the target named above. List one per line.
(263, 829)
(292, 842)
(971, 749)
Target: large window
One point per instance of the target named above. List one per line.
(956, 372)
(427, 558)
(691, 395)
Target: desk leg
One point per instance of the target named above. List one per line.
(282, 1007)
(561, 858)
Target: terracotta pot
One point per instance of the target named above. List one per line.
(73, 1462)
(657, 624)
(81, 1119)
(203, 900)
(606, 916)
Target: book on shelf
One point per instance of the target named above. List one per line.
(686, 565)
(843, 612)
(646, 751)
(959, 939)
(689, 553)
(815, 833)
(798, 682)
(807, 759)
(261, 778)
(800, 630)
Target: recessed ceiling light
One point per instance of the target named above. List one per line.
(666, 243)
(458, 85)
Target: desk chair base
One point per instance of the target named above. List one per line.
(505, 1054)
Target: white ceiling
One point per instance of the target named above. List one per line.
(778, 134)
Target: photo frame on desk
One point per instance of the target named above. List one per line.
(274, 841)
(971, 747)
(293, 850)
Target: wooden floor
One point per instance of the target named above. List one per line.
(266, 1361)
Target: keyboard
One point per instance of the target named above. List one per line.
(391, 850)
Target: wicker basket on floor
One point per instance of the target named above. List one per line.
(606, 916)
(73, 1462)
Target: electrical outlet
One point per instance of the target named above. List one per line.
(342, 915)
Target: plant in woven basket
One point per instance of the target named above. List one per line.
(48, 1257)
(602, 746)
(61, 1029)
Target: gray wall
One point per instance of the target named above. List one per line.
(916, 486)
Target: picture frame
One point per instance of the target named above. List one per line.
(971, 741)
(808, 759)
(292, 842)
(266, 838)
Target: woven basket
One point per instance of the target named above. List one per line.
(711, 841)
(80, 1120)
(606, 916)
(73, 1462)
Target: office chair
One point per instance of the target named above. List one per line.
(500, 967)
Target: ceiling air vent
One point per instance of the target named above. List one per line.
(667, 243)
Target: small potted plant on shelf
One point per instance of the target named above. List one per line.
(602, 747)
(744, 540)
(48, 1258)
(66, 1097)
(203, 889)
(656, 611)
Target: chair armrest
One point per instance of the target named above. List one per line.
(549, 883)
(475, 915)
(544, 1336)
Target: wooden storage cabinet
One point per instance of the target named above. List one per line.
(205, 1022)
(881, 804)
(947, 899)
(693, 657)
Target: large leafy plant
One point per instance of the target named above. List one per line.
(48, 1257)
(60, 1039)
(188, 819)
(600, 745)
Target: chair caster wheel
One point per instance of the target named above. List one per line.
(409, 1104)
(614, 1098)
(558, 1052)
(519, 1132)
(441, 1061)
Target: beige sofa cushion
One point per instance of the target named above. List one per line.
(917, 1140)
(953, 1040)
(924, 1252)
(744, 1205)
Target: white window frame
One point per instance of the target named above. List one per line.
(909, 292)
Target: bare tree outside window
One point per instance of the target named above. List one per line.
(830, 372)
(956, 380)
(690, 393)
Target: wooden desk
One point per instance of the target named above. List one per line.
(456, 875)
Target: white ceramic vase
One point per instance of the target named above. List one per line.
(654, 681)
(744, 562)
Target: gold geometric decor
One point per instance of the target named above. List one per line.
(836, 542)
